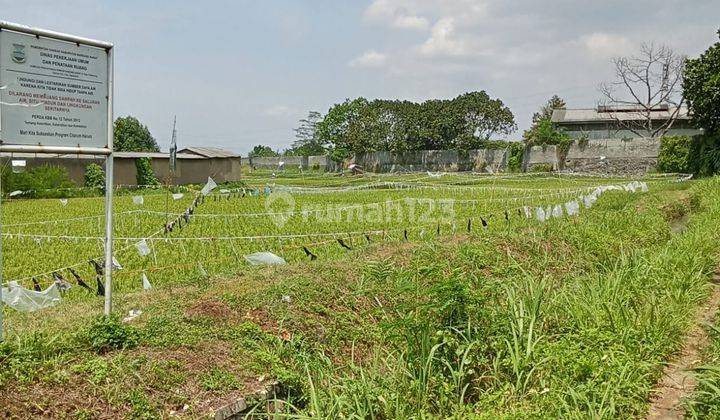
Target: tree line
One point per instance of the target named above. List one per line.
(471, 120)
(468, 121)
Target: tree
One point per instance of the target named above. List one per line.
(308, 142)
(545, 133)
(338, 128)
(542, 130)
(263, 151)
(481, 118)
(132, 136)
(546, 110)
(465, 122)
(701, 84)
(644, 85)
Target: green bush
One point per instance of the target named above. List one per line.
(544, 132)
(515, 156)
(704, 154)
(541, 167)
(44, 180)
(110, 333)
(674, 154)
(94, 176)
(699, 155)
(145, 175)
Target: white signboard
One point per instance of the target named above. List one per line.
(52, 92)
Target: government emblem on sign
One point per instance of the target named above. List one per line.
(18, 54)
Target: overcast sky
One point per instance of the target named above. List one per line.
(240, 73)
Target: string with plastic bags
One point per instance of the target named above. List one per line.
(570, 208)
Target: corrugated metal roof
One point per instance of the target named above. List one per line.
(210, 152)
(592, 115)
(158, 155)
(125, 155)
(48, 156)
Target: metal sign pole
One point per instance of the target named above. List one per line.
(2, 304)
(109, 189)
(27, 56)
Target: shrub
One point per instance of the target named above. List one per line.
(515, 156)
(674, 154)
(542, 167)
(44, 180)
(544, 132)
(110, 333)
(94, 176)
(704, 156)
(145, 175)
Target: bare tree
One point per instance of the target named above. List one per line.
(646, 98)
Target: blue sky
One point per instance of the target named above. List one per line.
(240, 73)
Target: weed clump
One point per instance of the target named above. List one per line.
(110, 333)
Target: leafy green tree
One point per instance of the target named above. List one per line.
(704, 157)
(338, 128)
(545, 133)
(701, 85)
(263, 151)
(482, 118)
(541, 130)
(546, 110)
(307, 142)
(132, 136)
(465, 122)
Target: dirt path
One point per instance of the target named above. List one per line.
(678, 382)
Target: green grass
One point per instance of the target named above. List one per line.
(704, 403)
(572, 318)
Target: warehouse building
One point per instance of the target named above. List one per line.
(194, 165)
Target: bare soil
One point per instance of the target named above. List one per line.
(678, 381)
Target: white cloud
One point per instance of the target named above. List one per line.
(381, 9)
(397, 14)
(278, 111)
(411, 22)
(443, 40)
(370, 58)
(601, 45)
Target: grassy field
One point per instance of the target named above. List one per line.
(429, 314)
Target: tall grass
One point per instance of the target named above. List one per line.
(589, 345)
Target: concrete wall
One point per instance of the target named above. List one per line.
(596, 155)
(634, 156)
(537, 156)
(188, 171)
(433, 160)
(273, 162)
(291, 162)
(489, 160)
(320, 162)
(196, 171)
(613, 156)
(609, 130)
